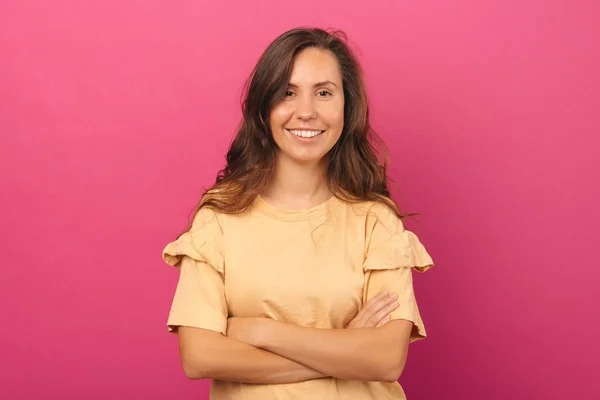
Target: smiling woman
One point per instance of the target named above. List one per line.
(296, 272)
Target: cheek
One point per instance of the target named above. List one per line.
(280, 115)
(334, 113)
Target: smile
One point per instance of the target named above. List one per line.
(305, 133)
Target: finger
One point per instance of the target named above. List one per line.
(371, 307)
(384, 321)
(377, 317)
(380, 296)
(375, 301)
(365, 311)
(381, 304)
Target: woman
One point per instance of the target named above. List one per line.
(295, 236)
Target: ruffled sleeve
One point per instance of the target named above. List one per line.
(199, 298)
(201, 243)
(392, 252)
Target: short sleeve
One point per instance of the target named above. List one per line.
(199, 299)
(391, 255)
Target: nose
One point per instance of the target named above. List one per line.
(305, 108)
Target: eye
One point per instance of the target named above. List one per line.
(288, 93)
(324, 93)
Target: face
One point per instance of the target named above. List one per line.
(308, 122)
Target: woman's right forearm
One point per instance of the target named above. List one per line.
(210, 355)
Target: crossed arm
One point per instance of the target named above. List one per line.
(366, 354)
(265, 351)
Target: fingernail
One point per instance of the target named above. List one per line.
(385, 293)
(394, 296)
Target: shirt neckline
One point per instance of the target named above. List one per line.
(320, 210)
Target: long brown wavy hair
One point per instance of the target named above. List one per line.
(357, 162)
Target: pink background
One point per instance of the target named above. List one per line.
(114, 115)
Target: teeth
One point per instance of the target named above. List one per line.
(306, 134)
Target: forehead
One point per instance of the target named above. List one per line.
(315, 65)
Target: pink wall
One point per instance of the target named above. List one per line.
(115, 114)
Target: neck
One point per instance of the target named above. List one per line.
(295, 185)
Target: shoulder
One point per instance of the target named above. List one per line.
(206, 215)
(377, 212)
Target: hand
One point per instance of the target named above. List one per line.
(376, 312)
(246, 329)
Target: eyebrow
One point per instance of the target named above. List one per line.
(316, 84)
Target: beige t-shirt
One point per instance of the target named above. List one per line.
(312, 268)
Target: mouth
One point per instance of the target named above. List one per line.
(305, 133)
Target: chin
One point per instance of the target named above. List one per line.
(305, 158)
